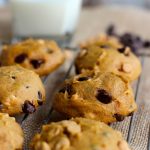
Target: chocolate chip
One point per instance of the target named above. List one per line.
(66, 133)
(13, 77)
(1, 105)
(131, 40)
(67, 88)
(77, 70)
(131, 114)
(119, 117)
(110, 30)
(40, 101)
(146, 44)
(62, 90)
(83, 78)
(109, 124)
(103, 96)
(70, 90)
(37, 63)
(28, 107)
(126, 39)
(122, 50)
(21, 58)
(137, 39)
(27, 87)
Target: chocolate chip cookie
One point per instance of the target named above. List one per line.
(79, 134)
(11, 134)
(21, 90)
(120, 61)
(41, 56)
(105, 97)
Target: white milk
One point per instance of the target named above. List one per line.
(44, 17)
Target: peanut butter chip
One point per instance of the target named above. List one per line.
(72, 127)
(127, 51)
(41, 41)
(62, 144)
(126, 68)
(123, 145)
(102, 55)
(42, 145)
(54, 131)
(82, 53)
(124, 50)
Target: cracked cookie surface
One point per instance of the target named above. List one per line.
(78, 134)
(105, 97)
(41, 56)
(21, 90)
(11, 134)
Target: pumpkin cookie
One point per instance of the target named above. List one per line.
(79, 134)
(105, 97)
(118, 61)
(21, 90)
(11, 134)
(41, 56)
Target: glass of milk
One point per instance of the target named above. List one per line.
(44, 18)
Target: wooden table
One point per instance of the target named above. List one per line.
(135, 129)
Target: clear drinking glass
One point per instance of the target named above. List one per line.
(44, 18)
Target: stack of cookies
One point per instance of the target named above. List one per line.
(21, 89)
(98, 95)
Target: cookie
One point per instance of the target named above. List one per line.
(11, 134)
(105, 97)
(21, 90)
(103, 41)
(41, 56)
(79, 134)
(118, 61)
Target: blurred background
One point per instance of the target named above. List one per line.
(141, 3)
(50, 18)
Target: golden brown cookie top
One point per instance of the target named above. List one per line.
(78, 134)
(41, 56)
(21, 90)
(11, 134)
(100, 96)
(119, 61)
